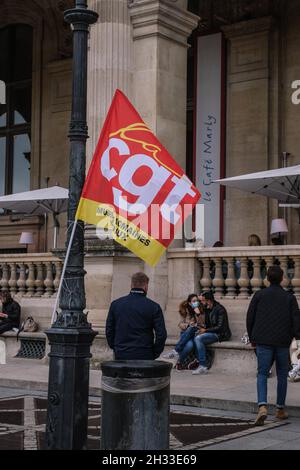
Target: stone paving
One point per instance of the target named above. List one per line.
(23, 418)
(232, 395)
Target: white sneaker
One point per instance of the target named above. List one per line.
(200, 370)
(171, 355)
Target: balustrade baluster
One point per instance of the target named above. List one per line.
(230, 281)
(58, 269)
(205, 281)
(21, 282)
(48, 282)
(296, 278)
(218, 280)
(243, 281)
(4, 280)
(269, 262)
(256, 280)
(284, 266)
(39, 282)
(30, 282)
(13, 278)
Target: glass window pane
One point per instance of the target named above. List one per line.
(21, 163)
(2, 115)
(21, 97)
(4, 54)
(2, 165)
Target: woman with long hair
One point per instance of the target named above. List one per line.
(192, 315)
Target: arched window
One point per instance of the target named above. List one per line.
(15, 108)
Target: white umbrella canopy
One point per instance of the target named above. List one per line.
(37, 202)
(52, 200)
(282, 184)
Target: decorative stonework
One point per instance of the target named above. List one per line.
(217, 13)
(249, 49)
(60, 77)
(161, 18)
(33, 11)
(249, 27)
(109, 63)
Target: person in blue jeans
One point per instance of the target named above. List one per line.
(216, 329)
(192, 315)
(273, 320)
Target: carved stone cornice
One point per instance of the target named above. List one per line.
(249, 27)
(217, 13)
(161, 18)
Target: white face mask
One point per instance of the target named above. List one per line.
(195, 304)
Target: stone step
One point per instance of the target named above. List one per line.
(229, 356)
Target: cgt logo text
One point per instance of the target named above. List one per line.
(296, 93)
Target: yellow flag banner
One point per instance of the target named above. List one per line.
(134, 189)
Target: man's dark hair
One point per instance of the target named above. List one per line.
(139, 280)
(208, 295)
(275, 275)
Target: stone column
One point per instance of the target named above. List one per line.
(160, 31)
(251, 133)
(109, 63)
(109, 68)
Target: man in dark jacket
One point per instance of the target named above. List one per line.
(273, 320)
(10, 313)
(216, 329)
(135, 326)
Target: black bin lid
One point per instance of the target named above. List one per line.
(136, 369)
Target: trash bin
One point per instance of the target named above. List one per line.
(135, 405)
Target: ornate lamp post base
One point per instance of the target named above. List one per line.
(67, 417)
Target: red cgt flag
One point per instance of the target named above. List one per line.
(134, 188)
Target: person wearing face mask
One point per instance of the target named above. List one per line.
(192, 316)
(216, 329)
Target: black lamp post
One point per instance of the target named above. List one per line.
(71, 336)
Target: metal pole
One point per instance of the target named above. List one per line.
(71, 335)
(63, 271)
(285, 156)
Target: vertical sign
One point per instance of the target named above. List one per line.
(209, 132)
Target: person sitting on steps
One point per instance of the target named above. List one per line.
(215, 329)
(191, 314)
(10, 313)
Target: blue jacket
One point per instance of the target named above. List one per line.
(130, 326)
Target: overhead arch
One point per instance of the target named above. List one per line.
(47, 12)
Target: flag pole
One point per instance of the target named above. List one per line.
(64, 269)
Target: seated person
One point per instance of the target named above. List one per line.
(216, 329)
(191, 314)
(10, 313)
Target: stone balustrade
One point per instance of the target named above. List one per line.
(30, 275)
(233, 273)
